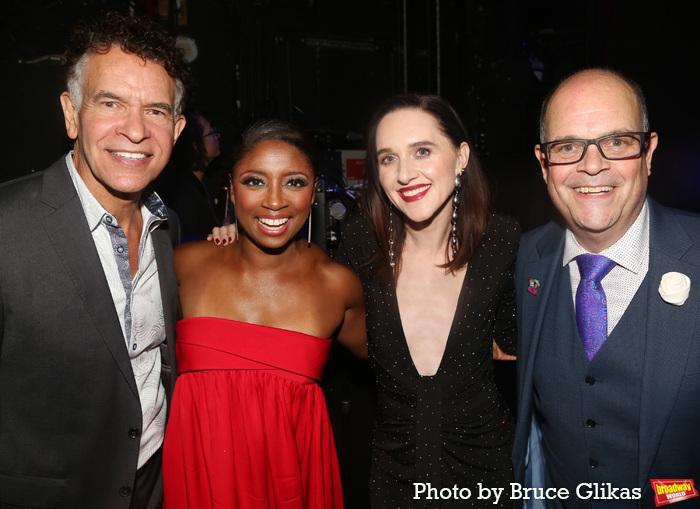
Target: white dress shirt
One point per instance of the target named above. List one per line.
(137, 301)
(631, 255)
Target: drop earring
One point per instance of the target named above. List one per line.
(309, 238)
(235, 216)
(455, 206)
(392, 264)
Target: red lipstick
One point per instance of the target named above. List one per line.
(414, 193)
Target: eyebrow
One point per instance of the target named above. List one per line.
(263, 172)
(415, 144)
(611, 133)
(104, 94)
(161, 106)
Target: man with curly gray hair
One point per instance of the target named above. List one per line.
(88, 298)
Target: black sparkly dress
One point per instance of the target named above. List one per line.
(452, 428)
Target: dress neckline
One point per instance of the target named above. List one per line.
(232, 321)
(467, 281)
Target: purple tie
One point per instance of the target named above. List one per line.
(591, 303)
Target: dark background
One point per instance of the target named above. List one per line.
(325, 64)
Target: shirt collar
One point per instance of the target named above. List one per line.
(628, 251)
(96, 214)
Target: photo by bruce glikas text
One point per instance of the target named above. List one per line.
(584, 491)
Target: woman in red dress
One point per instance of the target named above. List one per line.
(248, 425)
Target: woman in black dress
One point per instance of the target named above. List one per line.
(437, 271)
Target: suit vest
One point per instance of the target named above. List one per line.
(589, 410)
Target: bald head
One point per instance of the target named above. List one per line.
(589, 79)
(599, 197)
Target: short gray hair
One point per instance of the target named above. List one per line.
(134, 35)
(75, 83)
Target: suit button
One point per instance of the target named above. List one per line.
(124, 491)
(593, 464)
(590, 423)
(134, 433)
(590, 380)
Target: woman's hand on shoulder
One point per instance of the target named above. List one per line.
(224, 235)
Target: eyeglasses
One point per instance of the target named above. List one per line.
(214, 131)
(613, 147)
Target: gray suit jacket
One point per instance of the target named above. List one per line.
(669, 424)
(70, 413)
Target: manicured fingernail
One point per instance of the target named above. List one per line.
(217, 242)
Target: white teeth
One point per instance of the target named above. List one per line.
(593, 190)
(130, 155)
(414, 192)
(273, 222)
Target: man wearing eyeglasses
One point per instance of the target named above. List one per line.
(609, 349)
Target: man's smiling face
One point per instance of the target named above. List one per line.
(125, 129)
(599, 198)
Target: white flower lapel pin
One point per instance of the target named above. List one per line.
(674, 288)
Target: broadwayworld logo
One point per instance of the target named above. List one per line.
(667, 491)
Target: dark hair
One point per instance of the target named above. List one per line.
(275, 129)
(135, 35)
(472, 214)
(189, 153)
(634, 86)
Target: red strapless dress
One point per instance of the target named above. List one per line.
(248, 424)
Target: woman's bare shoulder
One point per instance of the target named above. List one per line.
(336, 275)
(323, 262)
(195, 249)
(197, 254)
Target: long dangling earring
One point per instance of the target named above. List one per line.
(310, 210)
(235, 215)
(392, 263)
(455, 206)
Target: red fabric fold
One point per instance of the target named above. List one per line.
(248, 426)
(205, 343)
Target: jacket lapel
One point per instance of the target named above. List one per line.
(168, 291)
(669, 331)
(67, 228)
(543, 269)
